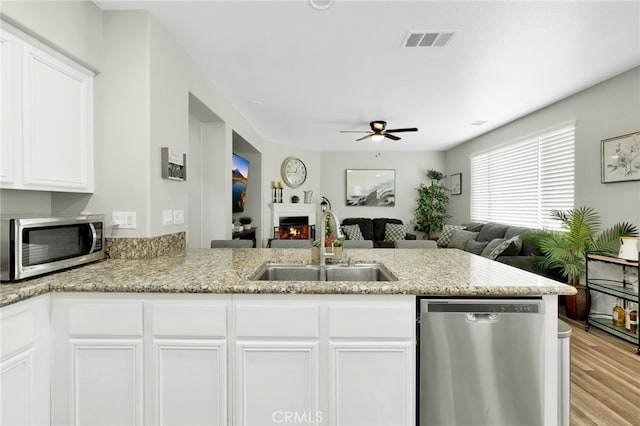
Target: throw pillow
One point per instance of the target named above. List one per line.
(352, 232)
(512, 245)
(491, 245)
(445, 235)
(460, 237)
(394, 232)
(475, 247)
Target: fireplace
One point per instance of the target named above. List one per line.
(293, 228)
(294, 221)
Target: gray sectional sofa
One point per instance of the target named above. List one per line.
(500, 242)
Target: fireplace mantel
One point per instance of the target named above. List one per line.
(293, 209)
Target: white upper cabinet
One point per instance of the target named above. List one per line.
(9, 95)
(47, 118)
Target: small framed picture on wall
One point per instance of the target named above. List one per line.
(621, 158)
(456, 184)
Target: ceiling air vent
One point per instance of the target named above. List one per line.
(428, 38)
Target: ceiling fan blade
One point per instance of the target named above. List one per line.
(364, 137)
(393, 137)
(408, 129)
(355, 131)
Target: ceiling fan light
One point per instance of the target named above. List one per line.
(377, 137)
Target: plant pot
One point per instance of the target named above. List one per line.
(246, 227)
(576, 305)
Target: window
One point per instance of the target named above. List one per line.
(521, 182)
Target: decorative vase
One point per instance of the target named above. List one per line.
(308, 195)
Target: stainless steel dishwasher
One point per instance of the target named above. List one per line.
(481, 362)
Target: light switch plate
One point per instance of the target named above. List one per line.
(167, 217)
(178, 217)
(123, 220)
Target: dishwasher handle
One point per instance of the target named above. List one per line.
(478, 306)
(482, 318)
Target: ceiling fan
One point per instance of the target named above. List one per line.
(378, 131)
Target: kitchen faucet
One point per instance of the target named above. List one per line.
(335, 224)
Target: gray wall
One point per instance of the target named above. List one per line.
(410, 167)
(609, 109)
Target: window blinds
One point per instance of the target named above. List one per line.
(520, 183)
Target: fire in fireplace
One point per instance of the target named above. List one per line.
(293, 228)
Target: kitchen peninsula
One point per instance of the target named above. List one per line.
(192, 339)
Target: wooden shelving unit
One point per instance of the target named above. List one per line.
(615, 288)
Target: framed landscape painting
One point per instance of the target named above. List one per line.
(370, 187)
(621, 158)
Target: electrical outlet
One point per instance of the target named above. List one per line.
(123, 220)
(178, 217)
(167, 217)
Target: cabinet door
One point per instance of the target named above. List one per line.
(98, 375)
(24, 363)
(57, 129)
(277, 363)
(277, 381)
(10, 108)
(371, 384)
(372, 361)
(187, 378)
(106, 381)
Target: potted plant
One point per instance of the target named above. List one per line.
(245, 221)
(565, 250)
(431, 211)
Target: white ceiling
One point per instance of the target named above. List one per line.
(300, 74)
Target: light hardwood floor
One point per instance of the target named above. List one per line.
(605, 378)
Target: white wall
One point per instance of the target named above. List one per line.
(410, 167)
(161, 91)
(122, 122)
(72, 27)
(609, 109)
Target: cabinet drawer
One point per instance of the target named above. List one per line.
(105, 319)
(276, 321)
(382, 321)
(17, 331)
(192, 320)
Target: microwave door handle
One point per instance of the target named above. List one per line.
(94, 237)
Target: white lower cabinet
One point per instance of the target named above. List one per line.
(99, 374)
(24, 363)
(330, 360)
(187, 361)
(127, 359)
(195, 359)
(277, 360)
(372, 361)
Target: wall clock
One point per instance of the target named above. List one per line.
(293, 171)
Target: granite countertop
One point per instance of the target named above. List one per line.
(421, 272)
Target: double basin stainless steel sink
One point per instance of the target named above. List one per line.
(295, 272)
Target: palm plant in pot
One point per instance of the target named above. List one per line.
(565, 250)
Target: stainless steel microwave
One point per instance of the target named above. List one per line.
(31, 246)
